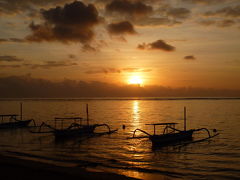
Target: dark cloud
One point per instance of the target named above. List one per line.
(178, 13)
(51, 64)
(226, 23)
(10, 59)
(72, 23)
(157, 45)
(165, 15)
(88, 48)
(16, 40)
(149, 2)
(136, 70)
(207, 22)
(44, 65)
(121, 28)
(226, 12)
(13, 40)
(10, 66)
(142, 46)
(157, 21)
(190, 57)
(205, 2)
(155, 1)
(115, 70)
(103, 71)
(133, 9)
(218, 23)
(72, 56)
(20, 6)
(3, 40)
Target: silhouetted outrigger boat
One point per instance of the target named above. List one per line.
(76, 129)
(173, 136)
(10, 121)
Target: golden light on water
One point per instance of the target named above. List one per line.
(135, 112)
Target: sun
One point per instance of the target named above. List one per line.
(135, 80)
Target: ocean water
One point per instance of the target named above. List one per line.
(216, 158)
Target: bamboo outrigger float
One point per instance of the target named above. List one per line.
(10, 121)
(76, 129)
(172, 136)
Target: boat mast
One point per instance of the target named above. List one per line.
(87, 114)
(21, 111)
(185, 119)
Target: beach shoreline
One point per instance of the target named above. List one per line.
(16, 168)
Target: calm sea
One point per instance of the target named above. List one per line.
(217, 158)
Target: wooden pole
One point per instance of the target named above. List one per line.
(21, 112)
(87, 114)
(185, 119)
(55, 123)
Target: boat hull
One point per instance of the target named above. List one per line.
(67, 133)
(16, 124)
(167, 139)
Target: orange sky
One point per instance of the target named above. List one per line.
(177, 43)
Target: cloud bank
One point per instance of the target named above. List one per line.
(27, 87)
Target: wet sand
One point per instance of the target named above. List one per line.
(14, 168)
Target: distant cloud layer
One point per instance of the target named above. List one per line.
(12, 40)
(115, 70)
(226, 11)
(224, 17)
(181, 13)
(28, 87)
(10, 59)
(218, 23)
(103, 71)
(51, 64)
(157, 45)
(23, 63)
(72, 23)
(135, 7)
(10, 66)
(19, 6)
(205, 2)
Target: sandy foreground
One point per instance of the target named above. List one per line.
(14, 168)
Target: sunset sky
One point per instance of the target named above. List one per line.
(176, 43)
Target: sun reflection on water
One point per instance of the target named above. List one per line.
(136, 114)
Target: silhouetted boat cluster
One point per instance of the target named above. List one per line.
(77, 128)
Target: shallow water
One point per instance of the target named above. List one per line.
(218, 158)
